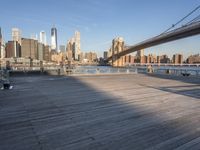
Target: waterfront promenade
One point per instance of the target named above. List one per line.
(105, 112)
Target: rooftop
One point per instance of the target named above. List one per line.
(108, 112)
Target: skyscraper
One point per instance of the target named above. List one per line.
(16, 35)
(43, 38)
(2, 46)
(54, 39)
(77, 49)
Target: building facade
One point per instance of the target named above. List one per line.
(177, 59)
(194, 59)
(29, 48)
(69, 50)
(46, 55)
(12, 49)
(129, 59)
(151, 58)
(40, 51)
(91, 57)
(163, 59)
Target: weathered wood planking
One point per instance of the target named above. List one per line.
(116, 112)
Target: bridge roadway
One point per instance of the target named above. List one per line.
(108, 112)
(183, 32)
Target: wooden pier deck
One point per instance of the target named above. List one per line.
(113, 112)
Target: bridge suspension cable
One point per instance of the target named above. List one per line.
(181, 20)
(196, 19)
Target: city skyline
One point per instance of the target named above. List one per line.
(104, 21)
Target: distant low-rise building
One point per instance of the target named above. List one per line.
(12, 49)
(91, 57)
(105, 55)
(163, 59)
(177, 59)
(151, 58)
(129, 59)
(193, 59)
(57, 57)
(62, 48)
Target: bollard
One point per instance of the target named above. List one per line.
(127, 71)
(59, 71)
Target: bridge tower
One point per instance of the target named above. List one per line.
(117, 47)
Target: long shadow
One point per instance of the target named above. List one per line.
(185, 79)
(192, 90)
(96, 112)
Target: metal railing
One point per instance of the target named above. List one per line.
(99, 70)
(180, 71)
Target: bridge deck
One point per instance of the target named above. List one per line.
(101, 112)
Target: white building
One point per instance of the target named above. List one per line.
(43, 38)
(54, 39)
(2, 50)
(77, 48)
(16, 35)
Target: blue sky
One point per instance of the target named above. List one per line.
(99, 21)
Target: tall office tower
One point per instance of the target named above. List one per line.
(16, 35)
(43, 38)
(77, 45)
(54, 39)
(2, 46)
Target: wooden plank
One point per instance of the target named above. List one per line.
(100, 112)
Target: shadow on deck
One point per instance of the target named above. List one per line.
(96, 112)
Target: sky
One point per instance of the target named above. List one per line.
(100, 21)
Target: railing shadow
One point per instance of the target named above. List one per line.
(186, 79)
